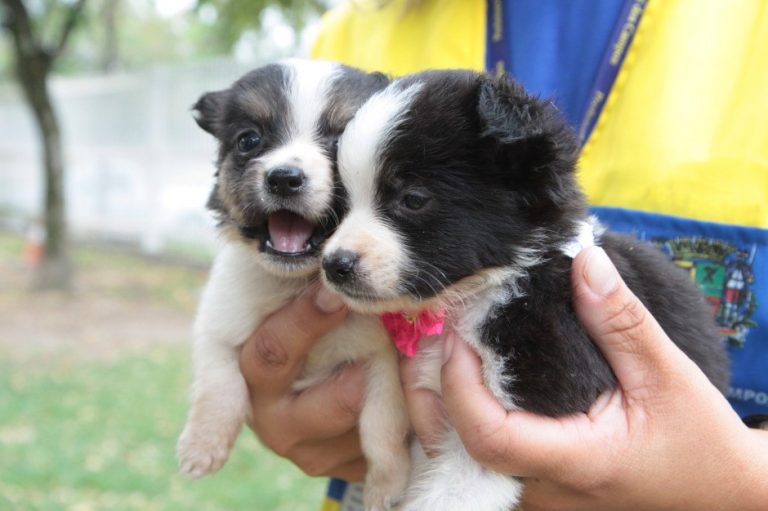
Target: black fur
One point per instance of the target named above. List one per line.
(489, 185)
(556, 366)
(498, 168)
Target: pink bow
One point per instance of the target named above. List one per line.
(406, 330)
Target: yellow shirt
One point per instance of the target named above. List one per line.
(685, 127)
(397, 40)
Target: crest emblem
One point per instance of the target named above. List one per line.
(724, 274)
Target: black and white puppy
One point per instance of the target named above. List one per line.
(463, 198)
(277, 196)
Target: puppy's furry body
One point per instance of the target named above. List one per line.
(277, 196)
(463, 197)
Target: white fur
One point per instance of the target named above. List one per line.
(304, 153)
(307, 88)
(585, 237)
(243, 289)
(384, 427)
(359, 145)
(453, 481)
(309, 84)
(381, 251)
(468, 325)
(239, 295)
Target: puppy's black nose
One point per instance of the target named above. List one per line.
(285, 181)
(340, 266)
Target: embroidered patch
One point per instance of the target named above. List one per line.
(725, 275)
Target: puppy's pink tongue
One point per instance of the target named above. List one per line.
(289, 231)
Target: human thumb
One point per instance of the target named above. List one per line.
(631, 340)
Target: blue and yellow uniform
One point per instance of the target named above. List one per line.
(671, 101)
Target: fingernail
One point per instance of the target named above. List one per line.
(599, 273)
(448, 347)
(328, 302)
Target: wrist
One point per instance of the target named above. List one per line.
(759, 469)
(751, 489)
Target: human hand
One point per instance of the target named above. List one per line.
(317, 428)
(664, 439)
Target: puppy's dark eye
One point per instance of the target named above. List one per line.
(415, 201)
(333, 146)
(248, 141)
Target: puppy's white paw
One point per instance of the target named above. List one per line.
(384, 491)
(200, 454)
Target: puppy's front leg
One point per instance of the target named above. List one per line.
(384, 428)
(236, 299)
(219, 406)
(452, 480)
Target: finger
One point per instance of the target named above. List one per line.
(324, 412)
(425, 408)
(328, 409)
(516, 443)
(632, 341)
(326, 457)
(273, 356)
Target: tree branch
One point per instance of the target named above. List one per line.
(73, 16)
(18, 22)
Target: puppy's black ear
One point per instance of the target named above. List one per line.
(379, 80)
(526, 128)
(535, 148)
(209, 110)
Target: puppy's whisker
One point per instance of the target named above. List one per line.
(428, 280)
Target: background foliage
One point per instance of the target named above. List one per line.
(94, 381)
(143, 36)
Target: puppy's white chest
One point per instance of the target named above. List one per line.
(359, 337)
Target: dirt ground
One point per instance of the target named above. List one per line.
(120, 302)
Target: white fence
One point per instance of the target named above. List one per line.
(138, 168)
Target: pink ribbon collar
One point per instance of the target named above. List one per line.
(406, 329)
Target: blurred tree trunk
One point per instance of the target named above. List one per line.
(34, 61)
(110, 57)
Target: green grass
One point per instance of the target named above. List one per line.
(85, 429)
(11, 246)
(101, 436)
(189, 251)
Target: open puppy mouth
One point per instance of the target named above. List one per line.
(288, 234)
